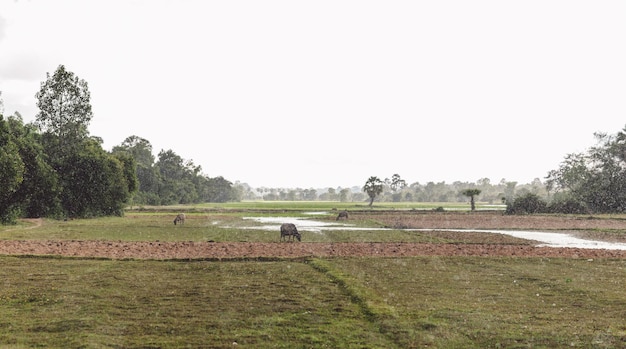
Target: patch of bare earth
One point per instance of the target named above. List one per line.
(475, 245)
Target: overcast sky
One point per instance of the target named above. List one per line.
(311, 94)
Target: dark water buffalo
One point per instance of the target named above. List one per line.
(180, 218)
(342, 215)
(288, 231)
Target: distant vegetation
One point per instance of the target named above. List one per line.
(54, 168)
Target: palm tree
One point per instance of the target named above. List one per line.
(471, 193)
(373, 187)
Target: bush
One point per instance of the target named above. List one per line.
(568, 206)
(527, 204)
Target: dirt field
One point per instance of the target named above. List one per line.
(475, 245)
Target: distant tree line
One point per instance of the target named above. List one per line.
(593, 181)
(397, 190)
(54, 168)
(170, 179)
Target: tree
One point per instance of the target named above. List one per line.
(64, 104)
(28, 185)
(595, 179)
(221, 190)
(471, 193)
(147, 174)
(139, 148)
(95, 183)
(397, 183)
(344, 195)
(12, 169)
(37, 196)
(373, 187)
(92, 182)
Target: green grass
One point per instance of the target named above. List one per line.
(413, 302)
(67, 303)
(199, 226)
(461, 302)
(323, 206)
(417, 302)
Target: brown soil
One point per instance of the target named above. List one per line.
(495, 245)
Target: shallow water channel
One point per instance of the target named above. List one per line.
(549, 239)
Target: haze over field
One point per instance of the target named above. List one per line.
(328, 93)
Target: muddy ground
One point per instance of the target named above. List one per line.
(474, 245)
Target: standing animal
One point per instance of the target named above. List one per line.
(180, 218)
(288, 231)
(342, 215)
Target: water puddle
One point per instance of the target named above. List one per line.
(273, 223)
(545, 238)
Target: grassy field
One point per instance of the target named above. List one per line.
(357, 302)
(289, 206)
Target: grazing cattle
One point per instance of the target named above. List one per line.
(342, 215)
(180, 218)
(288, 231)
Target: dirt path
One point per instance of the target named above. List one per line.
(225, 250)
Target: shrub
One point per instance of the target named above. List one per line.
(526, 204)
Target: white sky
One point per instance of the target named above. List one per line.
(323, 93)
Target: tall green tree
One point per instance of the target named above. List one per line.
(373, 187)
(64, 107)
(92, 181)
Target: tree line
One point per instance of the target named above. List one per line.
(170, 179)
(53, 167)
(492, 193)
(593, 181)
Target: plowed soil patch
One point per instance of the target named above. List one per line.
(226, 250)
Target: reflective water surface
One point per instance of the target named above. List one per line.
(549, 239)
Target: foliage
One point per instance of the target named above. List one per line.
(28, 184)
(597, 178)
(12, 169)
(373, 187)
(171, 179)
(471, 193)
(37, 196)
(55, 168)
(567, 204)
(397, 183)
(92, 181)
(64, 104)
(527, 204)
